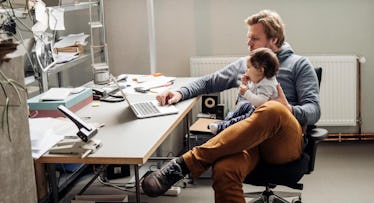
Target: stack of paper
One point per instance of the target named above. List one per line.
(43, 136)
(70, 47)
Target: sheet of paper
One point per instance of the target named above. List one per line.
(43, 136)
(63, 57)
(159, 81)
(56, 94)
(56, 19)
(41, 17)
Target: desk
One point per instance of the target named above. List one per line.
(125, 139)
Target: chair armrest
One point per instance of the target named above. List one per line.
(315, 136)
(318, 134)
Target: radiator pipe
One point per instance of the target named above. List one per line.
(349, 136)
(359, 121)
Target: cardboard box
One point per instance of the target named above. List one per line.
(73, 102)
(72, 49)
(100, 198)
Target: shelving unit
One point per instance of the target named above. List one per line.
(100, 65)
(58, 68)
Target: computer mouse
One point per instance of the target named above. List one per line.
(122, 77)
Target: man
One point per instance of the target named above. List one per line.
(272, 134)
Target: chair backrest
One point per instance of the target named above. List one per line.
(319, 74)
(309, 141)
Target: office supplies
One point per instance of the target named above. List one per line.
(74, 102)
(101, 73)
(83, 146)
(159, 81)
(55, 94)
(86, 131)
(122, 77)
(144, 107)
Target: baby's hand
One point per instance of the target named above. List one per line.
(245, 79)
(242, 89)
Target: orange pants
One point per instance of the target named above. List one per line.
(271, 134)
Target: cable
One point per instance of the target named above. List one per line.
(114, 186)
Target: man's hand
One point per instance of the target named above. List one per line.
(169, 97)
(282, 98)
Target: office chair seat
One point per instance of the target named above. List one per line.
(288, 174)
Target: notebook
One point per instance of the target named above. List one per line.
(56, 94)
(144, 107)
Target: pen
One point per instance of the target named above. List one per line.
(168, 84)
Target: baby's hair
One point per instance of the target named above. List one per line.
(264, 58)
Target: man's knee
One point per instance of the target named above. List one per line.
(272, 108)
(219, 169)
(230, 169)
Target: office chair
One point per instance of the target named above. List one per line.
(287, 174)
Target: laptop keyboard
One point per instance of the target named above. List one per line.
(146, 108)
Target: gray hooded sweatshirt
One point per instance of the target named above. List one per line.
(296, 76)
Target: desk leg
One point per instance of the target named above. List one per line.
(188, 142)
(187, 124)
(51, 168)
(101, 169)
(137, 183)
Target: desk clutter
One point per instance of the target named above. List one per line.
(54, 103)
(83, 146)
(109, 92)
(76, 147)
(60, 137)
(45, 104)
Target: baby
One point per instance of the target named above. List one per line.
(258, 86)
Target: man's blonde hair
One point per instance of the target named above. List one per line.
(272, 22)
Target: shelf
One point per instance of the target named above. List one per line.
(64, 66)
(18, 12)
(75, 7)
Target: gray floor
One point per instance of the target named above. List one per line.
(344, 173)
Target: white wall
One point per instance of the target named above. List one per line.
(216, 27)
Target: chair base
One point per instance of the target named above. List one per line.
(268, 196)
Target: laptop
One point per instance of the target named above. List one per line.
(145, 106)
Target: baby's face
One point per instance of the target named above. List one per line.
(254, 74)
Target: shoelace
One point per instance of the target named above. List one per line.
(173, 172)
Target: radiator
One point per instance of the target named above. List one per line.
(338, 86)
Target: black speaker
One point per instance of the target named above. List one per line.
(220, 111)
(209, 103)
